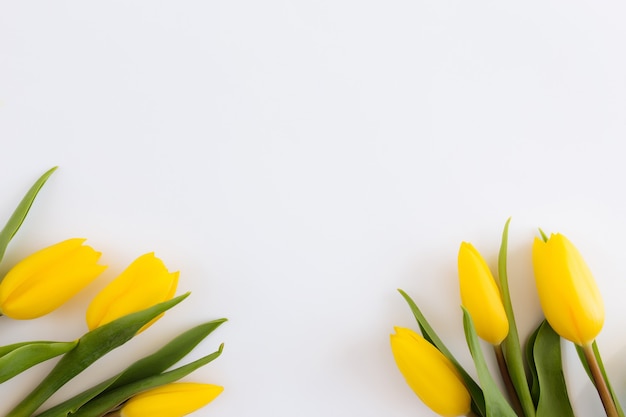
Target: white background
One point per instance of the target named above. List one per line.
(298, 161)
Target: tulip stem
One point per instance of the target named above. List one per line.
(508, 383)
(471, 414)
(603, 390)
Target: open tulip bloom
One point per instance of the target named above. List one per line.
(533, 377)
(45, 280)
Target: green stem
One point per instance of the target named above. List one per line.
(603, 390)
(471, 414)
(506, 378)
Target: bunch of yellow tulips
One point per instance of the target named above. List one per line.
(128, 305)
(534, 382)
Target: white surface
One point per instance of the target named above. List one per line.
(299, 161)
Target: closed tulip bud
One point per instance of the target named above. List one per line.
(48, 278)
(144, 283)
(480, 296)
(171, 400)
(567, 291)
(430, 374)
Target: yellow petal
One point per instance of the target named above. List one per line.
(569, 296)
(143, 284)
(430, 374)
(48, 278)
(171, 400)
(480, 295)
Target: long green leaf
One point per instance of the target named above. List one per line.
(478, 401)
(511, 345)
(112, 399)
(91, 347)
(532, 367)
(10, 348)
(495, 403)
(553, 398)
(18, 216)
(168, 355)
(27, 355)
(149, 366)
(583, 360)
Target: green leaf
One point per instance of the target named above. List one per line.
(168, 355)
(532, 367)
(583, 360)
(478, 401)
(114, 398)
(149, 366)
(553, 398)
(511, 345)
(544, 237)
(596, 353)
(495, 403)
(18, 216)
(91, 347)
(10, 348)
(15, 359)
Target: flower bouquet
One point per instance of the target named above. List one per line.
(533, 376)
(127, 306)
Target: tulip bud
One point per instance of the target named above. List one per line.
(430, 374)
(480, 296)
(144, 283)
(48, 278)
(567, 291)
(171, 400)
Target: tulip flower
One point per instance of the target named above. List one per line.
(567, 291)
(430, 374)
(48, 278)
(480, 296)
(172, 400)
(143, 284)
(571, 302)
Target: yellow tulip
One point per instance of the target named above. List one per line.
(430, 374)
(480, 296)
(567, 291)
(48, 278)
(171, 400)
(144, 283)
